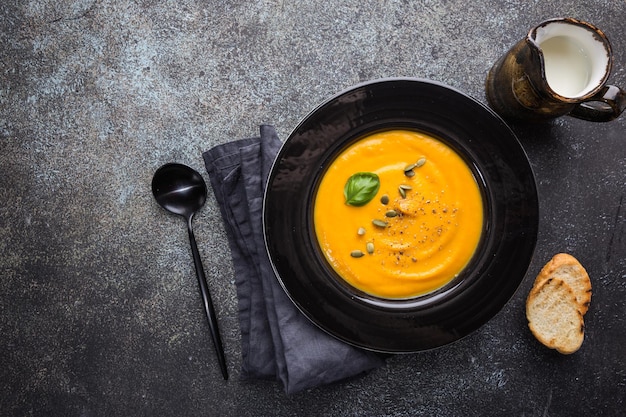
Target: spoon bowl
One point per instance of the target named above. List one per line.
(181, 190)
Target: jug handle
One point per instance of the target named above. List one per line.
(605, 106)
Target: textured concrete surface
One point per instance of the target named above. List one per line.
(99, 309)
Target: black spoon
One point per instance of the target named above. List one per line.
(181, 190)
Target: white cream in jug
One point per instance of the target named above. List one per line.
(567, 66)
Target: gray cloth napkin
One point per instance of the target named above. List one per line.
(278, 342)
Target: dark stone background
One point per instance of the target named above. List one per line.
(99, 307)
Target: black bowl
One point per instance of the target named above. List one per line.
(493, 275)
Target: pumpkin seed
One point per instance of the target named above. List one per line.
(391, 213)
(420, 162)
(406, 187)
(402, 192)
(410, 167)
(384, 199)
(369, 247)
(357, 254)
(361, 231)
(409, 173)
(379, 223)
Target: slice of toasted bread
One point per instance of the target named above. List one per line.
(567, 268)
(554, 317)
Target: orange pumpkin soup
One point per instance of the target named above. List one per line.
(420, 225)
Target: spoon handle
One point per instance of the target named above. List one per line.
(208, 304)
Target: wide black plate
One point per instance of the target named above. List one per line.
(510, 229)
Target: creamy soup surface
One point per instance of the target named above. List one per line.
(419, 230)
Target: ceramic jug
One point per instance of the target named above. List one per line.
(560, 68)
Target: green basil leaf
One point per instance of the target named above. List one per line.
(361, 188)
